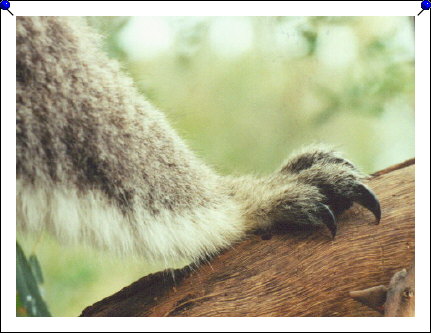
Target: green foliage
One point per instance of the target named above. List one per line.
(35, 268)
(29, 301)
(111, 26)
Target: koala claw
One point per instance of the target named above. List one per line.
(328, 218)
(367, 199)
(311, 189)
(337, 181)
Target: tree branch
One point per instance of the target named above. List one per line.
(302, 273)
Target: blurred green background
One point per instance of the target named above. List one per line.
(244, 92)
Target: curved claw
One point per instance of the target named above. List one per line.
(328, 218)
(366, 198)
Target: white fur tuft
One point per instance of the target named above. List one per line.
(167, 238)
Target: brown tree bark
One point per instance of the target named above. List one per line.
(302, 273)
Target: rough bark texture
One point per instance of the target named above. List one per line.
(395, 300)
(302, 273)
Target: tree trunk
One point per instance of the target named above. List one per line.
(303, 273)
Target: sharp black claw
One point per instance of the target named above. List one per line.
(366, 198)
(328, 218)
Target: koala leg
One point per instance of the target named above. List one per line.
(97, 163)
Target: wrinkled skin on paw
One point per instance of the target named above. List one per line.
(312, 188)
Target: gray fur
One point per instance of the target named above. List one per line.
(82, 123)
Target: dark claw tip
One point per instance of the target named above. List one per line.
(328, 218)
(366, 198)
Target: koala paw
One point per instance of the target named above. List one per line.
(312, 188)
